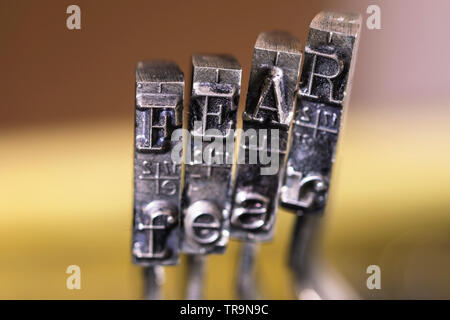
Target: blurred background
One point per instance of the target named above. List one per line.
(66, 144)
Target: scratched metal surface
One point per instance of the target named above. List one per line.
(215, 92)
(269, 105)
(159, 105)
(325, 85)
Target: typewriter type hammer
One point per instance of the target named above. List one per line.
(324, 92)
(158, 111)
(159, 103)
(209, 152)
(216, 83)
(266, 120)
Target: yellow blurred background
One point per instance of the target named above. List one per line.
(66, 145)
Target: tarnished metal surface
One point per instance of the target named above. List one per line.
(216, 83)
(159, 103)
(269, 105)
(324, 89)
(325, 84)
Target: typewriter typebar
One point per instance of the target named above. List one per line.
(209, 151)
(266, 121)
(159, 104)
(325, 84)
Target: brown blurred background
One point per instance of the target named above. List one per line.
(66, 131)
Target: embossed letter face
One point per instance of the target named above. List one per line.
(269, 109)
(251, 210)
(324, 90)
(202, 223)
(157, 219)
(159, 102)
(323, 72)
(158, 113)
(272, 100)
(214, 101)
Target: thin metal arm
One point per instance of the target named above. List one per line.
(301, 251)
(246, 286)
(195, 277)
(313, 278)
(154, 278)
